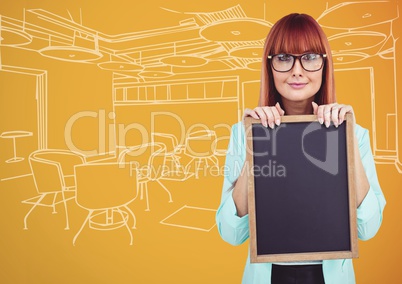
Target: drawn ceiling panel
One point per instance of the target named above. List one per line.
(205, 41)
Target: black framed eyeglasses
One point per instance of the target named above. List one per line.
(310, 62)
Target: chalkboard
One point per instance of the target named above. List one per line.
(301, 190)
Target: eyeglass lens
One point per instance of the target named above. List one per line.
(285, 62)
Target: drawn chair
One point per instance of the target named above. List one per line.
(53, 175)
(150, 160)
(201, 147)
(105, 190)
(173, 149)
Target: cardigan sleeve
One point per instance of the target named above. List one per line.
(370, 211)
(232, 228)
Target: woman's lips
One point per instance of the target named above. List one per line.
(297, 85)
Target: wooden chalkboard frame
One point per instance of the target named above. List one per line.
(352, 205)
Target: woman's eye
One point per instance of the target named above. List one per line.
(284, 57)
(310, 56)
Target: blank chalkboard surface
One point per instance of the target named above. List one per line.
(302, 202)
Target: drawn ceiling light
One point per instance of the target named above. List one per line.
(84, 48)
(14, 37)
(247, 29)
(346, 58)
(184, 61)
(254, 65)
(120, 66)
(247, 52)
(361, 40)
(358, 14)
(155, 74)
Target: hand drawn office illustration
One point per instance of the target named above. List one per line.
(160, 127)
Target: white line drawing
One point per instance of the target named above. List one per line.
(150, 161)
(107, 204)
(367, 33)
(205, 90)
(249, 88)
(371, 96)
(53, 173)
(187, 217)
(190, 44)
(14, 135)
(172, 147)
(177, 171)
(207, 59)
(41, 105)
(194, 47)
(201, 147)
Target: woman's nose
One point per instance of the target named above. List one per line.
(297, 69)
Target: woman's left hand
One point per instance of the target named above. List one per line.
(331, 112)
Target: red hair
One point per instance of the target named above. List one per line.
(296, 34)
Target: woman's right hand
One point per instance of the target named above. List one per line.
(269, 115)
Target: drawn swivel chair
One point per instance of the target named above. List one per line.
(105, 190)
(150, 160)
(53, 175)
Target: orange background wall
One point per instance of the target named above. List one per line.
(364, 39)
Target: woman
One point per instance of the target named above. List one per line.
(297, 78)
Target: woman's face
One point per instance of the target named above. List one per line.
(297, 85)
